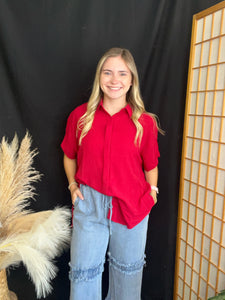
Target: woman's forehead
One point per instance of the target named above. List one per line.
(115, 63)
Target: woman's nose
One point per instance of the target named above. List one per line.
(114, 78)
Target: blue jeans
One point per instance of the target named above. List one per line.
(92, 235)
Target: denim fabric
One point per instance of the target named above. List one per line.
(92, 235)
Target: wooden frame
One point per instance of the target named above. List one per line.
(200, 253)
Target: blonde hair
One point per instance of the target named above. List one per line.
(133, 95)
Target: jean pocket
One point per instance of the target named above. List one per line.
(76, 202)
(87, 206)
(78, 198)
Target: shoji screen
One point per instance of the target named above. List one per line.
(200, 257)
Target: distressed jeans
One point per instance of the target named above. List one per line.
(92, 235)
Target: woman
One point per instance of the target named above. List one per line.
(110, 159)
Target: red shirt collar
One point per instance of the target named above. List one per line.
(127, 108)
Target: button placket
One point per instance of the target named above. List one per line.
(107, 153)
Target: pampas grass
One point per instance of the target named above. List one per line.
(31, 238)
(16, 178)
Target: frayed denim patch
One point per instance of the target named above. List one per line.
(128, 269)
(78, 275)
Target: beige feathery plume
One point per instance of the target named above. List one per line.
(32, 238)
(16, 178)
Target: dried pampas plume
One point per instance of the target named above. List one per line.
(31, 238)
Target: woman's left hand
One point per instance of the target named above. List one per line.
(154, 196)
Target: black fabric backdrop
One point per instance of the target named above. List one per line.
(48, 53)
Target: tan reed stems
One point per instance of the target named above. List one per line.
(5, 294)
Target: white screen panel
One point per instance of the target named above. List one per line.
(180, 288)
(209, 103)
(188, 275)
(195, 80)
(216, 129)
(197, 150)
(213, 158)
(217, 227)
(205, 151)
(219, 99)
(221, 281)
(219, 207)
(181, 269)
(208, 27)
(196, 264)
(186, 190)
(223, 23)
(198, 130)
(207, 230)
(212, 77)
(203, 175)
(217, 23)
(201, 197)
(193, 197)
(189, 257)
(222, 53)
(222, 157)
(211, 178)
(205, 53)
(212, 275)
(220, 182)
(214, 51)
(222, 260)
(215, 253)
(203, 79)
(207, 128)
(199, 30)
(203, 287)
(197, 55)
(223, 131)
(221, 77)
(183, 250)
(185, 211)
(209, 201)
(195, 282)
(201, 103)
(193, 103)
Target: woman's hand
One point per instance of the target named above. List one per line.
(75, 192)
(154, 196)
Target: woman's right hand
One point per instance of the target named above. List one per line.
(75, 192)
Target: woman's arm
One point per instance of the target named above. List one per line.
(152, 178)
(70, 166)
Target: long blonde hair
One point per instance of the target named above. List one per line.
(133, 95)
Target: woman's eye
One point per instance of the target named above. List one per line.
(123, 74)
(106, 73)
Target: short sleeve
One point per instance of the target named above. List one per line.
(69, 144)
(149, 144)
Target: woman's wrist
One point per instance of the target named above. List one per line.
(71, 184)
(155, 188)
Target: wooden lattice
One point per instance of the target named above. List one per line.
(200, 257)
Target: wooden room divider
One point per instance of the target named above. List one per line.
(200, 254)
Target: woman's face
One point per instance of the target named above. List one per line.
(115, 79)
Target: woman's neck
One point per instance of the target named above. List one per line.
(113, 106)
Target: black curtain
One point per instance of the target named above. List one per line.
(48, 54)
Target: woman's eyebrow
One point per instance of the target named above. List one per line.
(121, 71)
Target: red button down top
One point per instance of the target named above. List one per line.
(110, 162)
